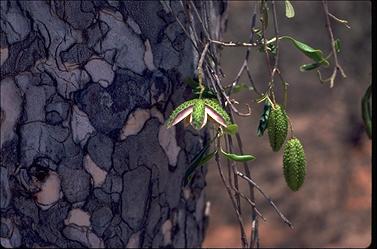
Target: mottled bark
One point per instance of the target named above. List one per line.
(85, 158)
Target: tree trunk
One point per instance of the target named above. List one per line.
(85, 158)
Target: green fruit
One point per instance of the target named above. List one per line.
(294, 164)
(277, 127)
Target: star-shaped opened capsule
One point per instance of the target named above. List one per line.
(198, 110)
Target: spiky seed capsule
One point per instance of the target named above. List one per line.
(198, 116)
(277, 127)
(182, 111)
(223, 116)
(294, 164)
(197, 112)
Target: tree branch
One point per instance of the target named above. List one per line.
(329, 29)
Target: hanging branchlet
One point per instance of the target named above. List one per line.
(335, 45)
(200, 70)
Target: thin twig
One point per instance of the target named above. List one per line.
(276, 30)
(183, 28)
(200, 19)
(232, 167)
(253, 236)
(276, 57)
(285, 88)
(251, 203)
(207, 34)
(242, 228)
(270, 70)
(252, 81)
(247, 55)
(345, 22)
(267, 198)
(217, 80)
(329, 29)
(276, 65)
(234, 44)
(254, 233)
(200, 69)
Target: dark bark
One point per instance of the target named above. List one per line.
(85, 158)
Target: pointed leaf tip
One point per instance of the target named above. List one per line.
(289, 10)
(238, 158)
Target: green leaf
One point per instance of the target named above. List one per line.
(337, 45)
(263, 121)
(236, 157)
(231, 129)
(190, 171)
(272, 48)
(258, 33)
(195, 163)
(199, 159)
(289, 10)
(366, 110)
(314, 54)
(311, 66)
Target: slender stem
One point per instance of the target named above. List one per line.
(234, 44)
(255, 233)
(252, 81)
(207, 34)
(247, 55)
(251, 187)
(345, 22)
(276, 29)
(276, 64)
(200, 70)
(329, 29)
(183, 28)
(250, 202)
(291, 126)
(265, 50)
(222, 90)
(235, 177)
(242, 228)
(200, 19)
(267, 198)
(270, 70)
(285, 88)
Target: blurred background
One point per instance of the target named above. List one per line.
(333, 207)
